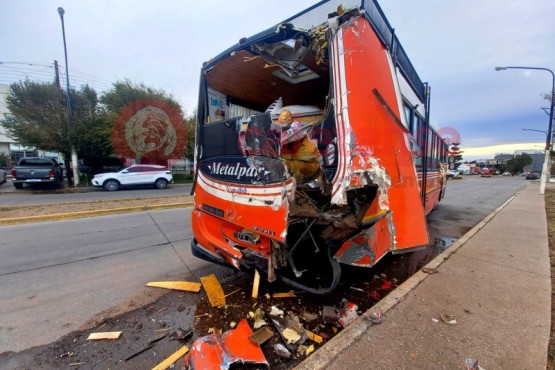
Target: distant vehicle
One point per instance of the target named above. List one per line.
(453, 173)
(532, 176)
(139, 174)
(3, 175)
(37, 170)
(506, 174)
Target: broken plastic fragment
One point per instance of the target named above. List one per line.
(276, 312)
(291, 331)
(448, 319)
(220, 351)
(290, 335)
(259, 319)
(348, 314)
(376, 316)
(281, 350)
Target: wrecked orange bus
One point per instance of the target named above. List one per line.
(314, 149)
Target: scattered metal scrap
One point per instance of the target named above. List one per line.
(222, 350)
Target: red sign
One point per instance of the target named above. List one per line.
(149, 130)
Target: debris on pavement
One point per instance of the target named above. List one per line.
(314, 337)
(136, 353)
(261, 335)
(220, 351)
(448, 319)
(291, 330)
(348, 313)
(180, 334)
(471, 365)
(376, 316)
(329, 315)
(187, 286)
(434, 319)
(172, 359)
(429, 270)
(213, 290)
(281, 350)
(284, 295)
(259, 319)
(276, 312)
(255, 284)
(105, 335)
(307, 316)
(305, 350)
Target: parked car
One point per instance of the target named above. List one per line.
(3, 175)
(532, 176)
(506, 174)
(138, 174)
(453, 173)
(37, 170)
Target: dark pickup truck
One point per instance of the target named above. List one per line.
(37, 170)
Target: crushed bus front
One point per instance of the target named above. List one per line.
(306, 154)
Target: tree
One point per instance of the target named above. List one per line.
(190, 124)
(517, 164)
(126, 92)
(38, 116)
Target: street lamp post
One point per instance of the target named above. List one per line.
(74, 163)
(548, 139)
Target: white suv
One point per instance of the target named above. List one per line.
(138, 174)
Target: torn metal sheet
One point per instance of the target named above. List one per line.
(220, 351)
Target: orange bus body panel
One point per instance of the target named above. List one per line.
(377, 134)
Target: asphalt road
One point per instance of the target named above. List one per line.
(57, 276)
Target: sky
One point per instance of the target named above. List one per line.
(454, 46)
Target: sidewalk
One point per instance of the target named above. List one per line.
(496, 283)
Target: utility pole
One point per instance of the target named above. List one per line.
(74, 160)
(57, 74)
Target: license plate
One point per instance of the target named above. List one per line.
(33, 180)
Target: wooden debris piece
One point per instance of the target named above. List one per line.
(188, 286)
(213, 290)
(172, 359)
(261, 335)
(105, 335)
(284, 295)
(314, 337)
(255, 284)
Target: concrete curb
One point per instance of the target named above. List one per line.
(362, 325)
(100, 212)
